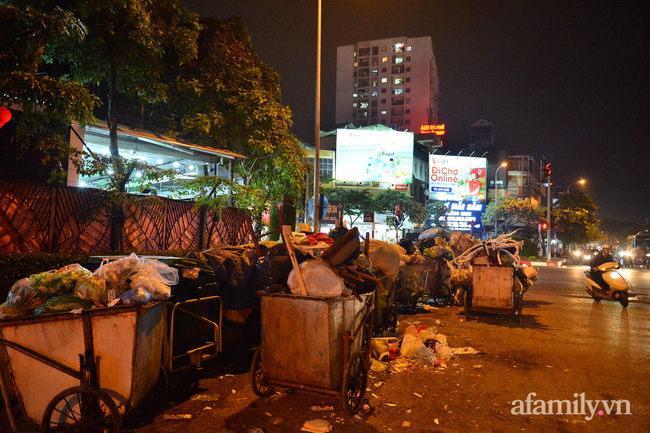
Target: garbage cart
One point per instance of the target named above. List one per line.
(81, 372)
(494, 289)
(316, 344)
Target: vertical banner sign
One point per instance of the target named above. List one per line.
(334, 213)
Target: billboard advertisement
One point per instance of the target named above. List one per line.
(457, 178)
(374, 156)
(462, 217)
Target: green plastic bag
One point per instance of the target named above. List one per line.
(63, 303)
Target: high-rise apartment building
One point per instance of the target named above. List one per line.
(393, 82)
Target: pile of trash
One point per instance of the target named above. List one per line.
(130, 280)
(500, 251)
(422, 344)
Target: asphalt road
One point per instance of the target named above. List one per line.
(591, 356)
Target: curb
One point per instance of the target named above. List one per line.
(549, 264)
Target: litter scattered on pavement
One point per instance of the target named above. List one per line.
(177, 416)
(317, 426)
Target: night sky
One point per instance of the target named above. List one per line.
(567, 80)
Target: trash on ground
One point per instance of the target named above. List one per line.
(317, 426)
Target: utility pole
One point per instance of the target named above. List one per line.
(548, 212)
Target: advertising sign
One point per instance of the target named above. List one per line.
(463, 217)
(457, 178)
(374, 156)
(334, 213)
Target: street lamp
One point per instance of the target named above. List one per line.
(581, 182)
(496, 196)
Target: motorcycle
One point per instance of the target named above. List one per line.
(619, 286)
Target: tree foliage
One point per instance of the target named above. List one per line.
(228, 98)
(31, 33)
(386, 200)
(574, 217)
(355, 202)
(439, 211)
(513, 213)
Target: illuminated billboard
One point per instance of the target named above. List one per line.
(374, 156)
(462, 216)
(457, 178)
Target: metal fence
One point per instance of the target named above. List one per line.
(39, 218)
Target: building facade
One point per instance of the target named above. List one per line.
(392, 82)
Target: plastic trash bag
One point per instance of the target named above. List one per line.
(117, 272)
(425, 355)
(320, 280)
(63, 303)
(137, 296)
(22, 297)
(91, 288)
(60, 282)
(9, 312)
(410, 344)
(156, 277)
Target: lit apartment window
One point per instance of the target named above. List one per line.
(398, 91)
(354, 95)
(363, 93)
(408, 48)
(398, 80)
(374, 72)
(356, 64)
(384, 80)
(383, 112)
(363, 103)
(354, 105)
(398, 59)
(384, 59)
(362, 114)
(398, 48)
(374, 92)
(384, 49)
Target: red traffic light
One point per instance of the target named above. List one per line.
(547, 168)
(544, 226)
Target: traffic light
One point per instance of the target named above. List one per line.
(544, 226)
(547, 168)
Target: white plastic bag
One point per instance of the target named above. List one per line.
(154, 276)
(320, 280)
(410, 344)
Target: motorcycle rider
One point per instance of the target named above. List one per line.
(603, 256)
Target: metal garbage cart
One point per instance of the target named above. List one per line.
(316, 344)
(494, 289)
(82, 372)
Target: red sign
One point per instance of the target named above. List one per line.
(402, 187)
(433, 129)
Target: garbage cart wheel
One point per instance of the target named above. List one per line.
(82, 409)
(355, 381)
(259, 382)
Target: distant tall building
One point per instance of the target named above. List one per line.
(482, 135)
(393, 82)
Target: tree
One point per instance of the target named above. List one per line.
(31, 34)
(386, 201)
(228, 98)
(439, 210)
(355, 202)
(513, 213)
(122, 53)
(574, 217)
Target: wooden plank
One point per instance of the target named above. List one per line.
(286, 237)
